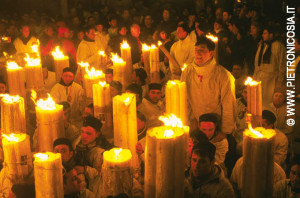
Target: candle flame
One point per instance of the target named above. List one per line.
(102, 83)
(251, 82)
(41, 156)
(102, 53)
(13, 65)
(116, 59)
(159, 43)
(153, 46)
(84, 64)
(11, 137)
(171, 120)
(145, 47)
(57, 54)
(256, 133)
(125, 45)
(117, 152)
(35, 47)
(10, 99)
(212, 37)
(47, 104)
(168, 133)
(32, 61)
(184, 67)
(93, 73)
(127, 101)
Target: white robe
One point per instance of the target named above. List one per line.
(210, 89)
(101, 40)
(75, 91)
(273, 73)
(183, 52)
(88, 52)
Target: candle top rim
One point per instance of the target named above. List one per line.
(266, 133)
(6, 98)
(125, 98)
(175, 82)
(159, 132)
(13, 137)
(47, 156)
(111, 156)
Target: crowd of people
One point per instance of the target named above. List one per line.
(249, 44)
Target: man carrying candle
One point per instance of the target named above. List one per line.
(205, 178)
(152, 106)
(67, 90)
(210, 88)
(109, 74)
(87, 50)
(182, 51)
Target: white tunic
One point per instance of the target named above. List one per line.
(211, 89)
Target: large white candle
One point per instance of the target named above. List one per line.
(216, 41)
(126, 56)
(50, 125)
(154, 64)
(164, 162)
(116, 172)
(125, 123)
(91, 77)
(12, 114)
(17, 156)
(146, 58)
(48, 175)
(119, 66)
(102, 102)
(34, 73)
(15, 78)
(258, 162)
(176, 100)
(60, 62)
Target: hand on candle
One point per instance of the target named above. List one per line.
(176, 71)
(139, 148)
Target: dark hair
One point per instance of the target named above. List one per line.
(92, 122)
(87, 29)
(198, 136)
(109, 71)
(117, 85)
(209, 117)
(296, 161)
(184, 26)
(135, 88)
(205, 149)
(141, 73)
(91, 106)
(2, 81)
(64, 141)
(209, 43)
(65, 105)
(23, 190)
(269, 116)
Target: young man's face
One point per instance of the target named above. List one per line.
(67, 114)
(25, 31)
(91, 34)
(201, 166)
(295, 177)
(108, 78)
(65, 152)
(266, 36)
(208, 128)
(135, 31)
(266, 125)
(67, 77)
(202, 54)
(244, 93)
(2, 88)
(166, 15)
(154, 95)
(236, 71)
(181, 34)
(88, 112)
(278, 99)
(88, 135)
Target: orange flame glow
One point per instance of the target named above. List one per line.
(47, 104)
(102, 53)
(171, 120)
(212, 37)
(116, 59)
(251, 82)
(41, 156)
(13, 66)
(125, 45)
(10, 99)
(32, 61)
(58, 55)
(184, 67)
(145, 47)
(93, 73)
(254, 132)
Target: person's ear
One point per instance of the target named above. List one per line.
(211, 53)
(71, 153)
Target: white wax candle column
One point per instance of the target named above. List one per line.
(15, 78)
(60, 62)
